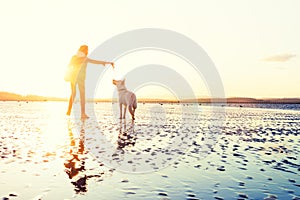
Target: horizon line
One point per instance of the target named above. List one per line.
(8, 96)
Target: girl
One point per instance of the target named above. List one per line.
(79, 64)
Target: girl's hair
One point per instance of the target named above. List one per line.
(84, 49)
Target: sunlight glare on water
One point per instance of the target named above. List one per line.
(46, 155)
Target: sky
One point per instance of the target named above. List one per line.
(254, 44)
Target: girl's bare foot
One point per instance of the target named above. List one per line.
(84, 116)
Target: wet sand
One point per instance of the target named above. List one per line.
(45, 155)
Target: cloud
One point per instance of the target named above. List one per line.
(279, 58)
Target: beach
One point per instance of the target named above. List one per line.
(231, 152)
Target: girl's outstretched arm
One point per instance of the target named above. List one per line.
(98, 62)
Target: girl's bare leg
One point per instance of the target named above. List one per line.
(72, 97)
(81, 86)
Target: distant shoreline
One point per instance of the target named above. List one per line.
(6, 96)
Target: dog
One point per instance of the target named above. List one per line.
(126, 98)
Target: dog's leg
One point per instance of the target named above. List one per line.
(131, 110)
(120, 111)
(124, 113)
(134, 104)
(133, 114)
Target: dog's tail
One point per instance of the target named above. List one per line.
(133, 106)
(133, 100)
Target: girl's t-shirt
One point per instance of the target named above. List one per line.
(79, 65)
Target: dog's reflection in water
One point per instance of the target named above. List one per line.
(75, 164)
(127, 136)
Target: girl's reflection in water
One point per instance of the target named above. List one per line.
(77, 155)
(75, 164)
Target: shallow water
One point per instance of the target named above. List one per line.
(164, 154)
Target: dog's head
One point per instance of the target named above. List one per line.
(119, 83)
